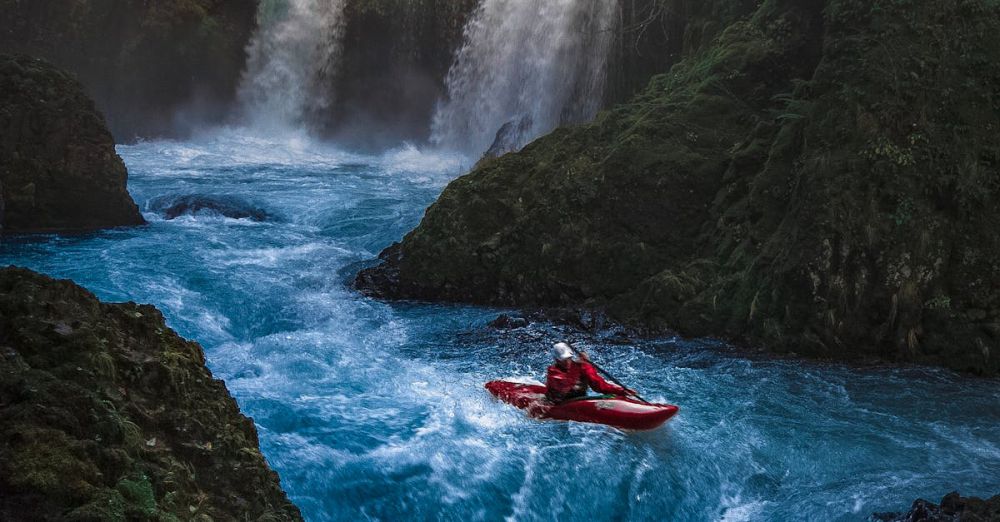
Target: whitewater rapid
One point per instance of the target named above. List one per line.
(373, 410)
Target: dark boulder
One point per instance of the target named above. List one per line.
(58, 164)
(172, 207)
(507, 322)
(953, 508)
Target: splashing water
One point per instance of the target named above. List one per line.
(376, 411)
(535, 64)
(291, 62)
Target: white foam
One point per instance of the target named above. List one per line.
(428, 165)
(743, 512)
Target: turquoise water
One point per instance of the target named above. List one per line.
(371, 410)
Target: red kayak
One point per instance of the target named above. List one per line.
(620, 412)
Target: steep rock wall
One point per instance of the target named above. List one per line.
(396, 56)
(107, 414)
(817, 177)
(154, 68)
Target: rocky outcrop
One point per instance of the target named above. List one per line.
(396, 55)
(953, 508)
(817, 177)
(154, 68)
(58, 163)
(175, 206)
(107, 414)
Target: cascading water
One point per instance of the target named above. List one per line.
(376, 411)
(528, 66)
(291, 61)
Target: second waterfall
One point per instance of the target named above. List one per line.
(526, 67)
(291, 61)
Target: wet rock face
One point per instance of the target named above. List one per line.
(781, 185)
(58, 164)
(508, 137)
(396, 55)
(154, 68)
(107, 414)
(953, 508)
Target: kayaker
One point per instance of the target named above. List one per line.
(569, 379)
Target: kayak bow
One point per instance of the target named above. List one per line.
(620, 412)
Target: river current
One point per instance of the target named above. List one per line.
(376, 411)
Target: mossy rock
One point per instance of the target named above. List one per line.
(817, 177)
(107, 414)
(58, 165)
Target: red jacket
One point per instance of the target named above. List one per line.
(574, 381)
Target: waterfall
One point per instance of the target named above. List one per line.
(291, 62)
(526, 67)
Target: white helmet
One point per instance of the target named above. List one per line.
(561, 351)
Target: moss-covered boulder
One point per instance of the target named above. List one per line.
(154, 68)
(816, 176)
(107, 414)
(58, 166)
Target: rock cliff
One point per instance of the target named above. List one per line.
(815, 176)
(396, 56)
(107, 414)
(154, 68)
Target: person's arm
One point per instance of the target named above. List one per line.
(597, 383)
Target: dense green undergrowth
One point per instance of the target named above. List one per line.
(814, 176)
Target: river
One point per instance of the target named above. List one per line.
(373, 410)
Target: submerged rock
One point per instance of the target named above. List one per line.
(953, 508)
(507, 322)
(173, 207)
(107, 414)
(787, 184)
(58, 163)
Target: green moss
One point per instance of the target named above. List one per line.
(116, 417)
(138, 494)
